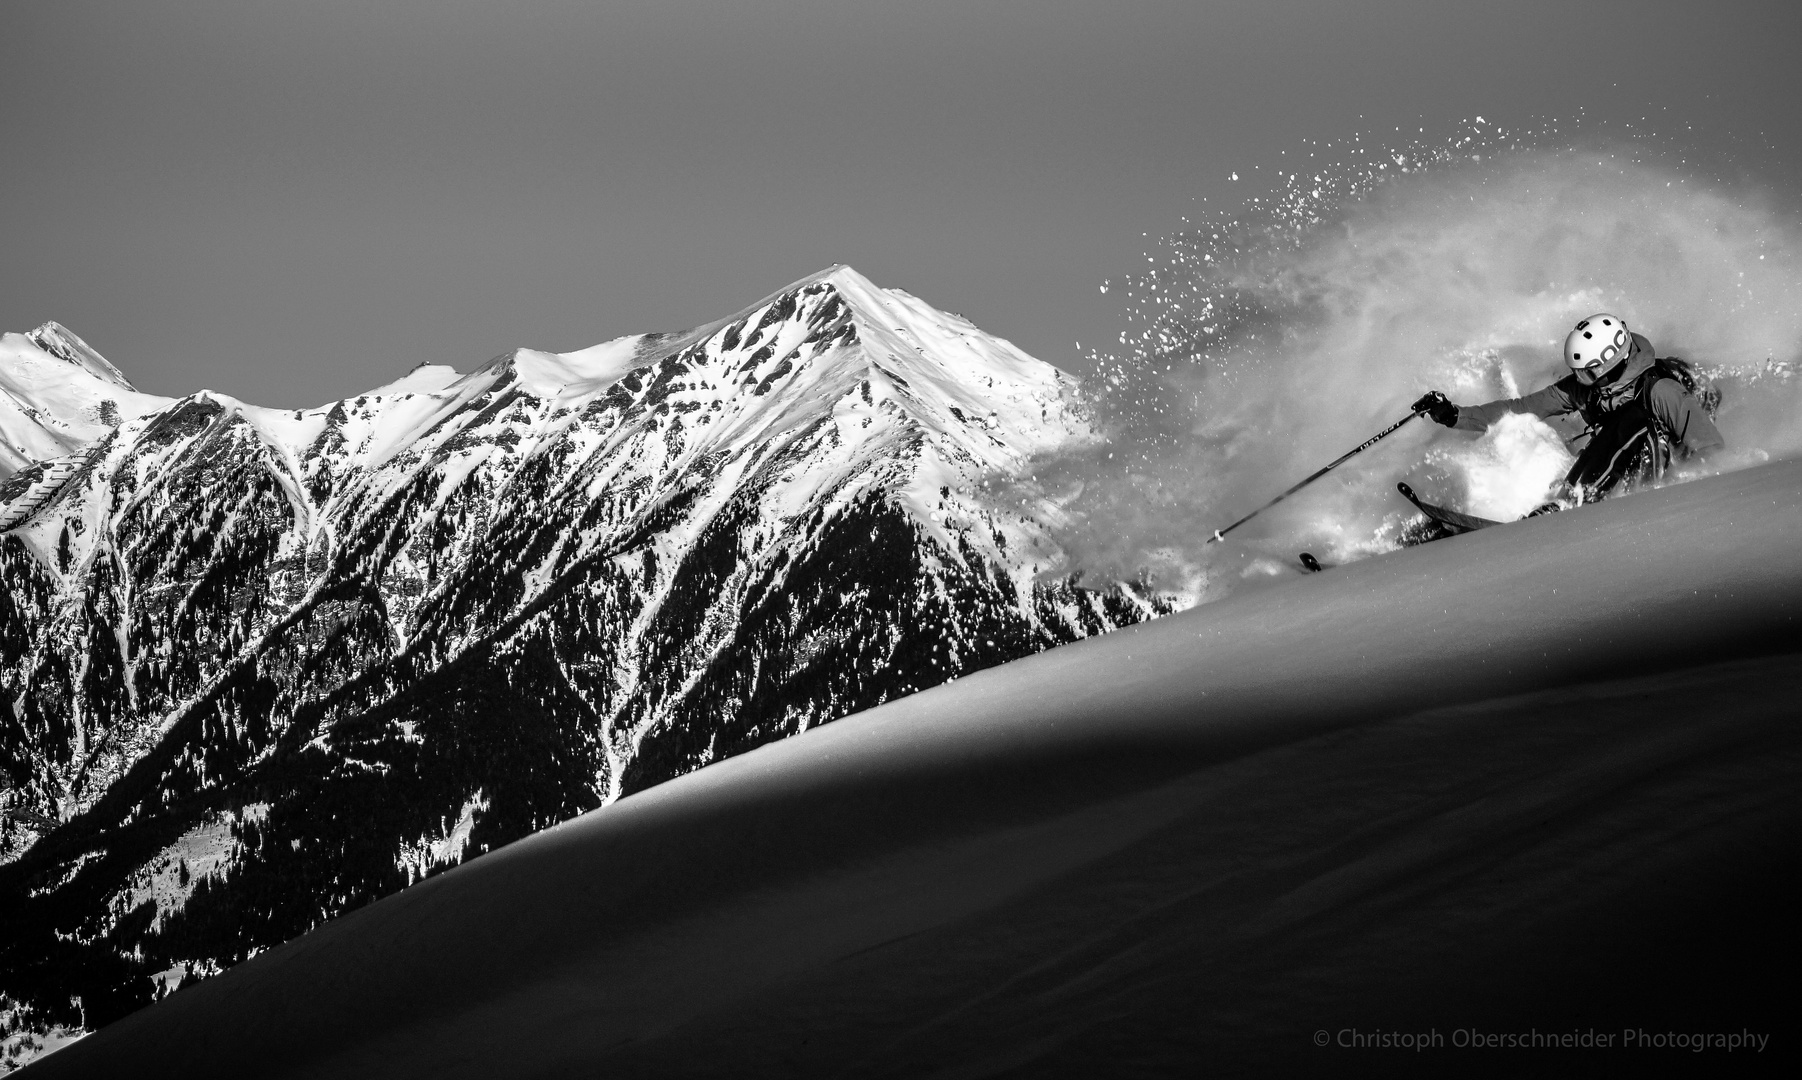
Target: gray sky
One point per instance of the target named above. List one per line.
(292, 202)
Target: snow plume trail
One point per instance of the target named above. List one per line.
(1263, 345)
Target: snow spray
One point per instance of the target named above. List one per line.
(1262, 344)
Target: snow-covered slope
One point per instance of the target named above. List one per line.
(58, 395)
(1539, 777)
(434, 618)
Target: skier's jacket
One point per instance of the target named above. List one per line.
(1637, 422)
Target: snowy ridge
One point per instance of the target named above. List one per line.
(60, 342)
(58, 395)
(441, 615)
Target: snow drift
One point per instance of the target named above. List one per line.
(1541, 775)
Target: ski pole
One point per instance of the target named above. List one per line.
(1220, 534)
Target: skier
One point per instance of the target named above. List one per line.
(1641, 409)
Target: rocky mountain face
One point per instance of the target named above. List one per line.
(261, 667)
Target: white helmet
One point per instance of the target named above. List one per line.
(1596, 343)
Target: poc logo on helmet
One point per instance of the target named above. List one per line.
(1597, 342)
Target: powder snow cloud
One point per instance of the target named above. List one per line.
(1264, 346)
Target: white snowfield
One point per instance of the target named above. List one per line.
(1542, 776)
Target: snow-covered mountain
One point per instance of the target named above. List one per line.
(57, 396)
(259, 667)
(1534, 783)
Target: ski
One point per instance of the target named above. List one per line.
(1451, 520)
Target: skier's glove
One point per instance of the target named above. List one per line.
(1438, 407)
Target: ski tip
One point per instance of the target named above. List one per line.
(1407, 492)
(1311, 563)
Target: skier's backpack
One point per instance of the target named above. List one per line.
(1698, 383)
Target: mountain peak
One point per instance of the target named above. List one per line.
(58, 395)
(59, 341)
